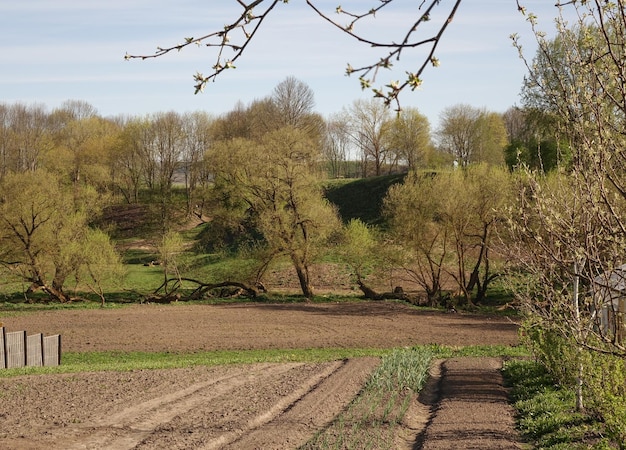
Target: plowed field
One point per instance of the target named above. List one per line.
(264, 406)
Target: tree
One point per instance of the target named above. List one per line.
(45, 233)
(472, 135)
(336, 146)
(571, 227)
(295, 102)
(444, 224)
(368, 123)
(423, 244)
(273, 182)
(579, 77)
(232, 40)
(197, 139)
(409, 136)
(359, 248)
(127, 162)
(26, 136)
(82, 149)
(534, 140)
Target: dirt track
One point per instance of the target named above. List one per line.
(241, 407)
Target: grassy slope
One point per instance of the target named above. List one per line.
(361, 198)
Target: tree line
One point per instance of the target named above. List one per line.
(255, 170)
(258, 171)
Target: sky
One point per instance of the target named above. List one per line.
(57, 50)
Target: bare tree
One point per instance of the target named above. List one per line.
(197, 139)
(336, 146)
(294, 100)
(472, 135)
(368, 122)
(232, 40)
(409, 138)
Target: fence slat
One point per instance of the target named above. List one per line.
(34, 350)
(52, 350)
(15, 349)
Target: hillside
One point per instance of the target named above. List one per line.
(361, 198)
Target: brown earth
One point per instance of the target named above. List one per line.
(264, 406)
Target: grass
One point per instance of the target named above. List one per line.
(361, 198)
(74, 362)
(127, 361)
(546, 411)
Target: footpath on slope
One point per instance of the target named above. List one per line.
(471, 409)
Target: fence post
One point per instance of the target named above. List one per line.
(3, 348)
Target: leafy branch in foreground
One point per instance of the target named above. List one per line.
(232, 40)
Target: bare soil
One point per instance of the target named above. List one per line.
(264, 406)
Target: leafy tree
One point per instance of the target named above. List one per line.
(83, 149)
(127, 163)
(100, 262)
(445, 226)
(232, 40)
(423, 243)
(358, 250)
(273, 182)
(534, 140)
(170, 247)
(45, 233)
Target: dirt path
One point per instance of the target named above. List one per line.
(471, 410)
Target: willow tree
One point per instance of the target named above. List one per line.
(273, 182)
(45, 234)
(444, 224)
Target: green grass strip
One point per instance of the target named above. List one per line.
(73, 362)
(125, 361)
(371, 420)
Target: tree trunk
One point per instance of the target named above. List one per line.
(55, 293)
(303, 277)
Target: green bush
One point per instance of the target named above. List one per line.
(556, 353)
(605, 388)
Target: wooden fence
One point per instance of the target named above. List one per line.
(19, 350)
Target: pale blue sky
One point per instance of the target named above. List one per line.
(55, 50)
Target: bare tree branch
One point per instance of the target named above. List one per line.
(236, 36)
